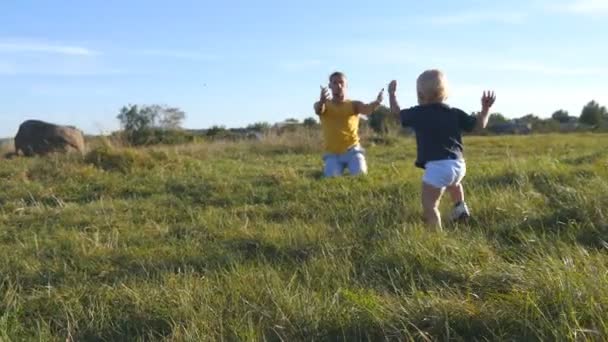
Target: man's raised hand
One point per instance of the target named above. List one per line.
(324, 94)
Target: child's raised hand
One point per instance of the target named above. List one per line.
(324, 94)
(392, 87)
(487, 99)
(380, 96)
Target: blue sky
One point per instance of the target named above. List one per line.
(237, 62)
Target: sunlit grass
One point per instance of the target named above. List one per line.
(245, 241)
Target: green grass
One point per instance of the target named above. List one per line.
(245, 241)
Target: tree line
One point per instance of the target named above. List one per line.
(162, 124)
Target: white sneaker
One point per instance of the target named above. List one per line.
(460, 212)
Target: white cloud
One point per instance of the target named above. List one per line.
(542, 68)
(516, 101)
(62, 90)
(61, 72)
(548, 99)
(378, 52)
(495, 63)
(299, 65)
(37, 57)
(398, 53)
(29, 46)
(6, 68)
(52, 67)
(476, 17)
(179, 54)
(578, 7)
(584, 6)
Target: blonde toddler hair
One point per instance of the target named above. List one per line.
(432, 87)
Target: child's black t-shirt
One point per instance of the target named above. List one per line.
(438, 129)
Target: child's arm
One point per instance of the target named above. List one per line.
(320, 105)
(367, 109)
(487, 100)
(392, 97)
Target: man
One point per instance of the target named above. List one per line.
(340, 125)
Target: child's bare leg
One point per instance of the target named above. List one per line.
(456, 193)
(461, 210)
(430, 205)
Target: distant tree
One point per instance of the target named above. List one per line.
(546, 125)
(529, 119)
(593, 114)
(168, 117)
(259, 127)
(135, 118)
(310, 122)
(292, 121)
(152, 124)
(381, 120)
(561, 116)
(216, 131)
(497, 119)
(132, 119)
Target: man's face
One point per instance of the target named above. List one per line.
(337, 84)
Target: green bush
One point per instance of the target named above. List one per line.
(156, 136)
(124, 160)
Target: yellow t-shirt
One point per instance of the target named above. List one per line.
(340, 125)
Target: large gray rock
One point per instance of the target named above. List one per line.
(39, 137)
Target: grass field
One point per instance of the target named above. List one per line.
(245, 241)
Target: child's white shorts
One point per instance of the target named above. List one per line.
(444, 173)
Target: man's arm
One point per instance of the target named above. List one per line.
(367, 109)
(487, 100)
(320, 105)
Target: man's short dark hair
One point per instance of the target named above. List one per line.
(337, 74)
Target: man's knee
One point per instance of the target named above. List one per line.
(357, 165)
(332, 167)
